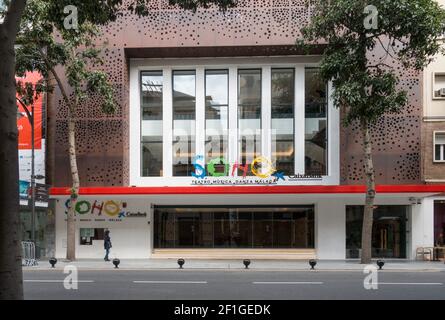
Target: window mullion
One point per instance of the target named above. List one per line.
(299, 119)
(200, 112)
(266, 112)
(233, 115)
(168, 122)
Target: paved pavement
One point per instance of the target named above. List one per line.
(193, 284)
(281, 265)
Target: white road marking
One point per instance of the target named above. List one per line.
(269, 282)
(411, 283)
(171, 282)
(59, 281)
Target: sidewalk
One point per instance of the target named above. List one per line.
(259, 265)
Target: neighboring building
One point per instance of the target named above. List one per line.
(227, 95)
(433, 140)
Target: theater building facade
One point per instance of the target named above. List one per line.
(226, 144)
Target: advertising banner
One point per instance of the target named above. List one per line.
(23, 123)
(25, 144)
(24, 187)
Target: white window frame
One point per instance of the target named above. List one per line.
(232, 64)
(434, 85)
(435, 133)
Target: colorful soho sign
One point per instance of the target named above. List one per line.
(113, 209)
(259, 162)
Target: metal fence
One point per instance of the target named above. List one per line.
(28, 253)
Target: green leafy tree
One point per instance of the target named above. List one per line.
(76, 55)
(367, 88)
(73, 56)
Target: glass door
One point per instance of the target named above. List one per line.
(439, 223)
(188, 230)
(387, 238)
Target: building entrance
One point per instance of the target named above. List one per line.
(387, 238)
(439, 223)
(388, 232)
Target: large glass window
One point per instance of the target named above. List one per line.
(283, 100)
(316, 121)
(388, 233)
(217, 115)
(184, 122)
(188, 230)
(152, 156)
(249, 115)
(151, 126)
(263, 229)
(231, 227)
(213, 87)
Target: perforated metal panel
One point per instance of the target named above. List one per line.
(103, 141)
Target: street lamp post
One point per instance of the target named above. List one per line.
(33, 179)
(30, 116)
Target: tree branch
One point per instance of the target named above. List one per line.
(25, 107)
(386, 49)
(378, 65)
(58, 80)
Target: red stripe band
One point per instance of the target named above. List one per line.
(250, 190)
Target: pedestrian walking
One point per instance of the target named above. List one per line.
(107, 244)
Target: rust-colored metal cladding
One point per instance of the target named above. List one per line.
(253, 28)
(396, 139)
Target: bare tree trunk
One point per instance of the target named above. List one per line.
(368, 215)
(75, 187)
(71, 225)
(11, 277)
(71, 222)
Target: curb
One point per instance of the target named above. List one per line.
(112, 269)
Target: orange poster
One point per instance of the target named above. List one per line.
(23, 123)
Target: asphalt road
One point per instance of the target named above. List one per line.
(233, 285)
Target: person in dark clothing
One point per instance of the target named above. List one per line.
(107, 244)
(440, 241)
